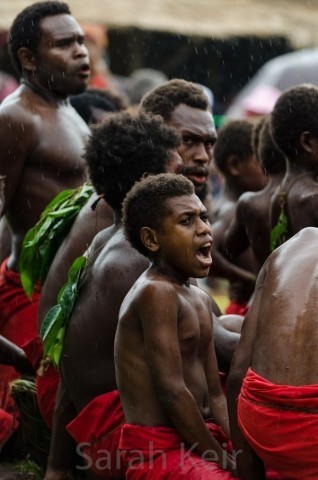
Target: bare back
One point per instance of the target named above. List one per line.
(86, 225)
(300, 202)
(41, 154)
(87, 362)
(150, 339)
(285, 346)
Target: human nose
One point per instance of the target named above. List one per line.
(80, 50)
(204, 227)
(202, 154)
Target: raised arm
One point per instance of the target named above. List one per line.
(11, 354)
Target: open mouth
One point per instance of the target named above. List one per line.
(199, 179)
(203, 254)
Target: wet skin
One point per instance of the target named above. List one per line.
(41, 135)
(198, 136)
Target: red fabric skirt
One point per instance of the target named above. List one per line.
(96, 430)
(237, 308)
(18, 323)
(153, 453)
(280, 422)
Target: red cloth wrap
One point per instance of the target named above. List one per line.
(280, 422)
(237, 308)
(18, 323)
(153, 453)
(97, 427)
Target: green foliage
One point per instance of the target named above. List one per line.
(56, 320)
(279, 233)
(43, 240)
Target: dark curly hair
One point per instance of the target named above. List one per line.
(123, 148)
(234, 138)
(164, 99)
(98, 98)
(295, 111)
(25, 30)
(270, 157)
(146, 204)
(258, 125)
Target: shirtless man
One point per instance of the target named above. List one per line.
(41, 144)
(236, 160)
(166, 368)
(274, 418)
(251, 224)
(184, 106)
(294, 124)
(118, 154)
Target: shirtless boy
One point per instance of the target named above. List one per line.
(119, 153)
(41, 145)
(166, 367)
(294, 126)
(273, 383)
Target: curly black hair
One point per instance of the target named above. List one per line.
(98, 98)
(270, 157)
(164, 99)
(234, 138)
(123, 148)
(146, 204)
(25, 30)
(295, 111)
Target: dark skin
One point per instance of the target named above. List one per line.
(300, 181)
(47, 158)
(11, 354)
(250, 225)
(87, 224)
(281, 318)
(173, 357)
(242, 175)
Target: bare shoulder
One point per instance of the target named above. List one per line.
(19, 114)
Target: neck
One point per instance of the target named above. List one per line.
(171, 275)
(46, 94)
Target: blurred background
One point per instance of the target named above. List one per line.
(220, 44)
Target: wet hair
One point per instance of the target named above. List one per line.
(256, 134)
(146, 205)
(295, 111)
(25, 30)
(234, 138)
(96, 98)
(270, 157)
(125, 147)
(164, 99)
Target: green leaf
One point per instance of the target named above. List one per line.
(43, 240)
(280, 233)
(50, 318)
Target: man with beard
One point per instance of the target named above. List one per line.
(184, 106)
(41, 145)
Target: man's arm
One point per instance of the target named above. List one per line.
(225, 343)
(62, 448)
(17, 140)
(235, 240)
(249, 465)
(11, 354)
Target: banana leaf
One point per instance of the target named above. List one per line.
(43, 240)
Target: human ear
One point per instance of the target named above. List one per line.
(306, 141)
(149, 239)
(233, 165)
(27, 59)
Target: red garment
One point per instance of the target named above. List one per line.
(47, 380)
(158, 453)
(96, 430)
(18, 323)
(281, 424)
(237, 308)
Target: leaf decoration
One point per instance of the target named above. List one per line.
(279, 233)
(41, 242)
(56, 320)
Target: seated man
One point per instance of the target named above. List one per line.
(166, 367)
(273, 382)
